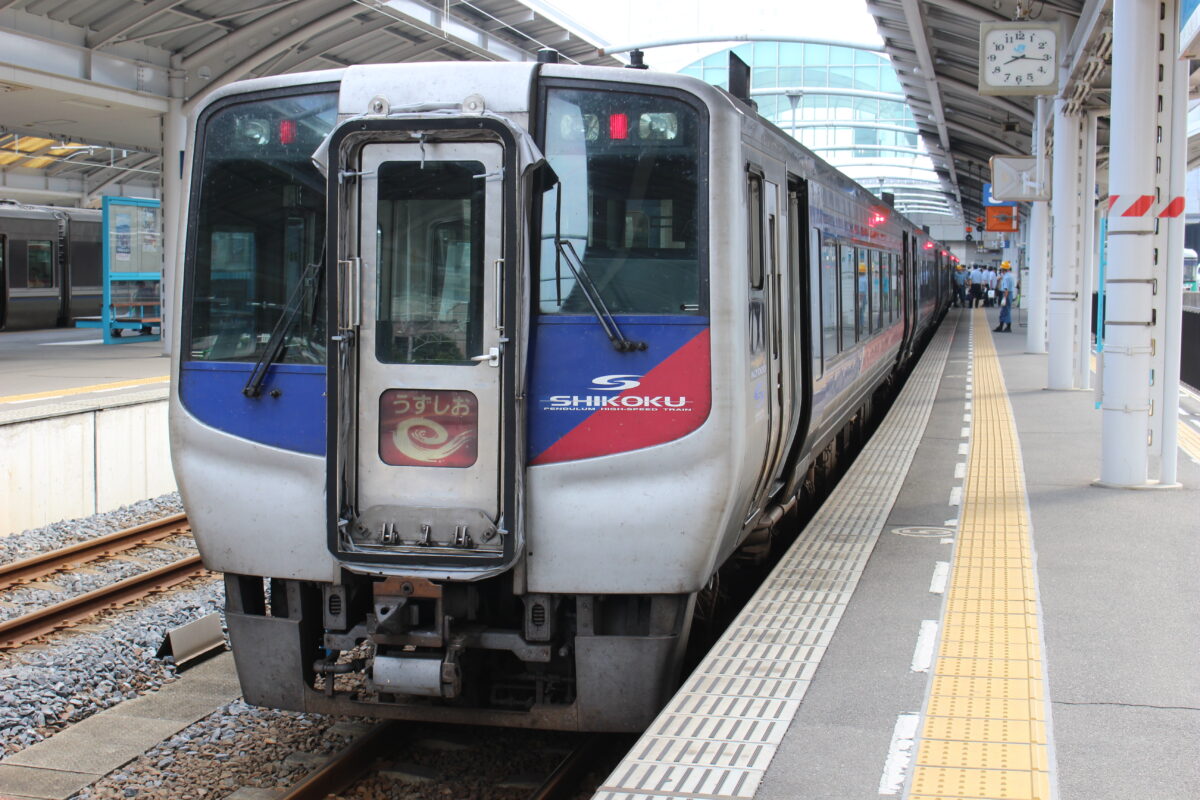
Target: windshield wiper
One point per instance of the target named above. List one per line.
(565, 251)
(276, 343)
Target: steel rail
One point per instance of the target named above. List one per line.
(34, 567)
(563, 783)
(16, 631)
(344, 768)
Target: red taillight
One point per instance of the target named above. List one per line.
(287, 131)
(618, 126)
(428, 428)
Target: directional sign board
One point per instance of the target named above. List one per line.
(1015, 178)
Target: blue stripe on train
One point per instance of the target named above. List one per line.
(295, 420)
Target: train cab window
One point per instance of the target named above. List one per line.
(40, 263)
(258, 239)
(849, 290)
(430, 244)
(627, 204)
(829, 298)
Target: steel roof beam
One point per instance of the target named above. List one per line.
(132, 17)
(969, 10)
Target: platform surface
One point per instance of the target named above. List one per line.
(70, 367)
(1013, 631)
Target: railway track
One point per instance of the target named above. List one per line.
(18, 630)
(357, 760)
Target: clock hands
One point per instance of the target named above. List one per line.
(1027, 58)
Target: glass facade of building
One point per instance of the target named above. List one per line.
(845, 104)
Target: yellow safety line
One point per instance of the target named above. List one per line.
(1189, 440)
(99, 387)
(984, 731)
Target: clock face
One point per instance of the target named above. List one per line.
(1021, 59)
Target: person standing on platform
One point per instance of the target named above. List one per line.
(992, 280)
(960, 281)
(1005, 292)
(978, 282)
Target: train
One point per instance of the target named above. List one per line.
(485, 370)
(50, 265)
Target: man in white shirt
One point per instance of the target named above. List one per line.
(977, 286)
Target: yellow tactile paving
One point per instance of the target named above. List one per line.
(1189, 440)
(984, 734)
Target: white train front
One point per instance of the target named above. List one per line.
(484, 370)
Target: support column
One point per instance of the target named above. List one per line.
(1064, 288)
(1129, 308)
(174, 140)
(1087, 283)
(1033, 295)
(1172, 184)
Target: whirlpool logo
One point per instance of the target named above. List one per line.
(616, 384)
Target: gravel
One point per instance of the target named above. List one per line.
(74, 674)
(60, 534)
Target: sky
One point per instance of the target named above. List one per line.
(636, 21)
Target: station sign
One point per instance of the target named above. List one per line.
(1001, 218)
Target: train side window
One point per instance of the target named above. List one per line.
(863, 297)
(829, 298)
(756, 231)
(849, 282)
(40, 261)
(876, 314)
(893, 269)
(885, 293)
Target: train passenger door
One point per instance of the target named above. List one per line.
(765, 321)
(431, 422)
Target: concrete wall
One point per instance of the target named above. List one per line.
(68, 462)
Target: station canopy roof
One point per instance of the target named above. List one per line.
(934, 46)
(84, 83)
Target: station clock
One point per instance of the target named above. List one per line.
(1018, 58)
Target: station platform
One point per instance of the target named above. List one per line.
(65, 365)
(967, 616)
(83, 426)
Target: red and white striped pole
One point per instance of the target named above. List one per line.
(1130, 273)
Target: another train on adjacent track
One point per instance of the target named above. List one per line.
(484, 370)
(50, 265)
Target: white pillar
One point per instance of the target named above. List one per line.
(1173, 184)
(174, 139)
(1087, 283)
(1033, 296)
(1064, 290)
(1126, 396)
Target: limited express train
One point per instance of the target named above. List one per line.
(50, 265)
(484, 370)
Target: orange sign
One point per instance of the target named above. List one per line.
(1001, 218)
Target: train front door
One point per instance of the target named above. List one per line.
(433, 420)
